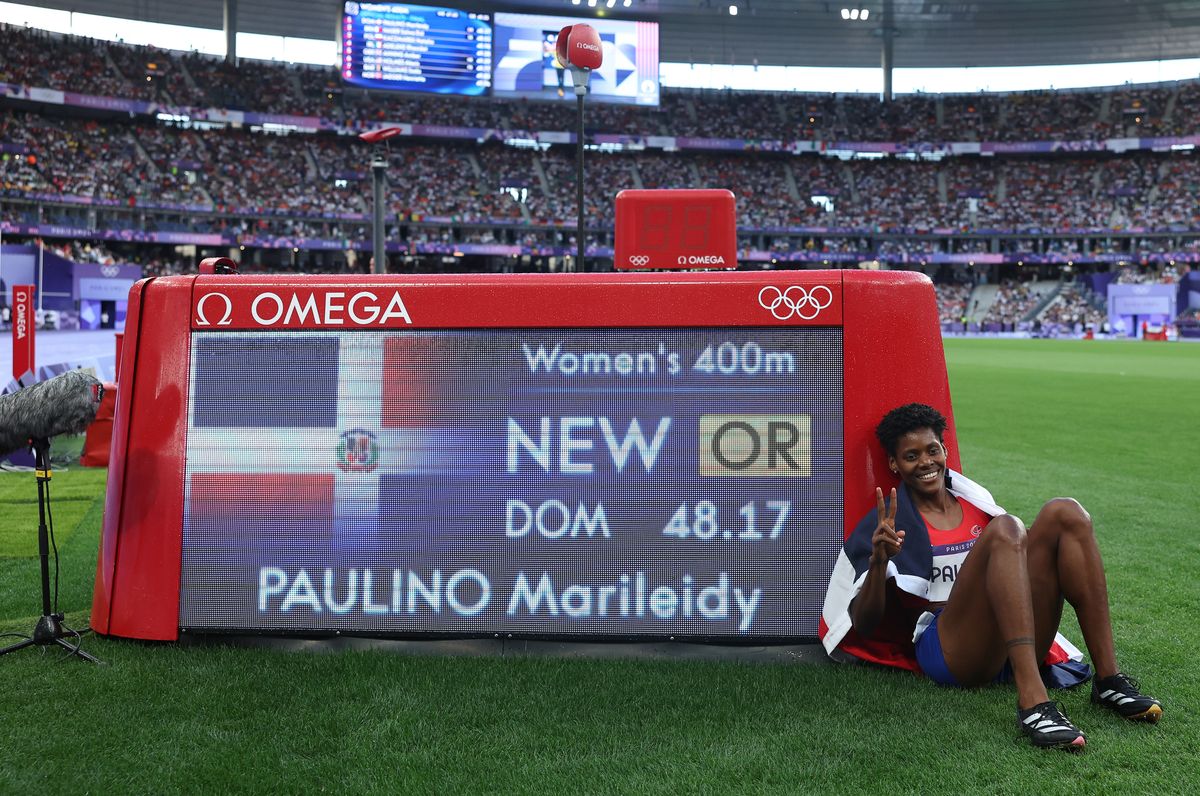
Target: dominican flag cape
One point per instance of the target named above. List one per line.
(892, 643)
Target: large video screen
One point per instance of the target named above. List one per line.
(606, 482)
(526, 66)
(416, 48)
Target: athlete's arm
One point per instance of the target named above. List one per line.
(867, 609)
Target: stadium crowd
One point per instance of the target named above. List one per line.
(1166, 275)
(1015, 301)
(118, 162)
(1074, 308)
(44, 60)
(1069, 306)
(953, 299)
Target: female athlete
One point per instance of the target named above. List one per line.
(941, 580)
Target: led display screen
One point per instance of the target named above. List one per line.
(545, 482)
(1142, 304)
(416, 48)
(526, 66)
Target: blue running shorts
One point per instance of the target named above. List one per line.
(929, 654)
(933, 662)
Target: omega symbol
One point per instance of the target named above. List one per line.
(202, 319)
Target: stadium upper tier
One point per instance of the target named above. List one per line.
(38, 60)
(121, 165)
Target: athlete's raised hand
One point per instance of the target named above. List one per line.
(886, 541)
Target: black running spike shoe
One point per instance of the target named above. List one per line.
(1046, 726)
(1121, 695)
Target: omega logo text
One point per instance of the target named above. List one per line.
(303, 309)
(21, 322)
(701, 259)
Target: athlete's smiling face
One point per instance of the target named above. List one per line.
(920, 461)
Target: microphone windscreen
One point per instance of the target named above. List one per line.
(586, 51)
(560, 46)
(65, 404)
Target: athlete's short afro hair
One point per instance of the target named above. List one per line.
(905, 419)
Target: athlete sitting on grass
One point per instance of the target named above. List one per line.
(939, 579)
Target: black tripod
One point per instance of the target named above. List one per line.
(50, 628)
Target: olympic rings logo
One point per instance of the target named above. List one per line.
(804, 304)
(639, 260)
(109, 271)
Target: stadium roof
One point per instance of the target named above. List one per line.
(929, 33)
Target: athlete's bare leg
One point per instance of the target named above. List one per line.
(1064, 562)
(990, 615)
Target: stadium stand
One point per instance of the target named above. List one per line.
(40, 59)
(1017, 301)
(244, 171)
(954, 300)
(1074, 309)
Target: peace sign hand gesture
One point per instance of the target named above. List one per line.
(886, 541)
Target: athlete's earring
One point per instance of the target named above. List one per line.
(895, 471)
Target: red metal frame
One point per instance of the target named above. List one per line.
(137, 574)
(892, 354)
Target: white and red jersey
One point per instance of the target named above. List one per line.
(950, 548)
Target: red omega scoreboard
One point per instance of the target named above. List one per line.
(625, 456)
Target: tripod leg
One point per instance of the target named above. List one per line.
(20, 645)
(87, 656)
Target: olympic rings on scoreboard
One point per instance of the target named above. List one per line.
(638, 260)
(803, 303)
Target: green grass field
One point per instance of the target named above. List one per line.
(1114, 424)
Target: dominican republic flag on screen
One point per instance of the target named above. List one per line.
(326, 434)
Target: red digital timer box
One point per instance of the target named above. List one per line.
(675, 229)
